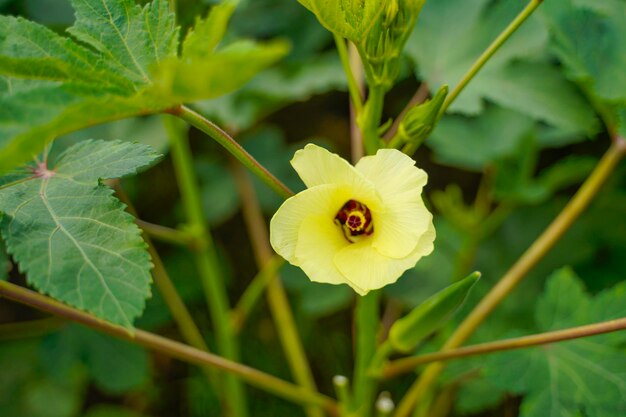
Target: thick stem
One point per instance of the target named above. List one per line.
(366, 320)
(405, 365)
(170, 348)
(488, 53)
(207, 263)
(518, 271)
(277, 299)
(233, 147)
(356, 139)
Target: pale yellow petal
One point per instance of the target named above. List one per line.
(399, 228)
(365, 269)
(323, 200)
(319, 240)
(394, 174)
(316, 166)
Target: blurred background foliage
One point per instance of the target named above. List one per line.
(501, 164)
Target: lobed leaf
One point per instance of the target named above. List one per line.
(128, 66)
(73, 239)
(565, 379)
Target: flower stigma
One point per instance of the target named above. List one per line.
(355, 220)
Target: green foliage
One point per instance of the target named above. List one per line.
(424, 319)
(568, 378)
(111, 411)
(128, 67)
(72, 238)
(420, 120)
(349, 19)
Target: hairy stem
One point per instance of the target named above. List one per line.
(170, 348)
(405, 365)
(488, 53)
(277, 299)
(208, 264)
(518, 271)
(370, 119)
(224, 139)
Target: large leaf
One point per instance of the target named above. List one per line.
(515, 78)
(582, 377)
(73, 239)
(50, 85)
(348, 18)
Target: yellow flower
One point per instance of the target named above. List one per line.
(362, 226)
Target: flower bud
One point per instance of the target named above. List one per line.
(420, 120)
(383, 45)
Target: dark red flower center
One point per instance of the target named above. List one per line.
(355, 220)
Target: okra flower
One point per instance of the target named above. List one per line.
(360, 225)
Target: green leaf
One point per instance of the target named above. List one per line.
(130, 38)
(88, 254)
(207, 33)
(272, 89)
(473, 143)
(408, 331)
(51, 86)
(349, 19)
(582, 377)
(222, 72)
(588, 37)
(516, 77)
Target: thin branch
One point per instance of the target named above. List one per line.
(405, 365)
(518, 271)
(231, 145)
(170, 348)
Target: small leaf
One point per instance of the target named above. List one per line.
(407, 332)
(73, 239)
(351, 19)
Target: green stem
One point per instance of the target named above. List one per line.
(353, 86)
(366, 328)
(170, 348)
(233, 147)
(488, 53)
(518, 271)
(254, 291)
(405, 365)
(166, 234)
(277, 299)
(207, 263)
(370, 119)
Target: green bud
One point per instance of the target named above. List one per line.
(382, 48)
(407, 332)
(420, 120)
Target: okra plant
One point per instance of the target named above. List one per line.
(152, 211)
